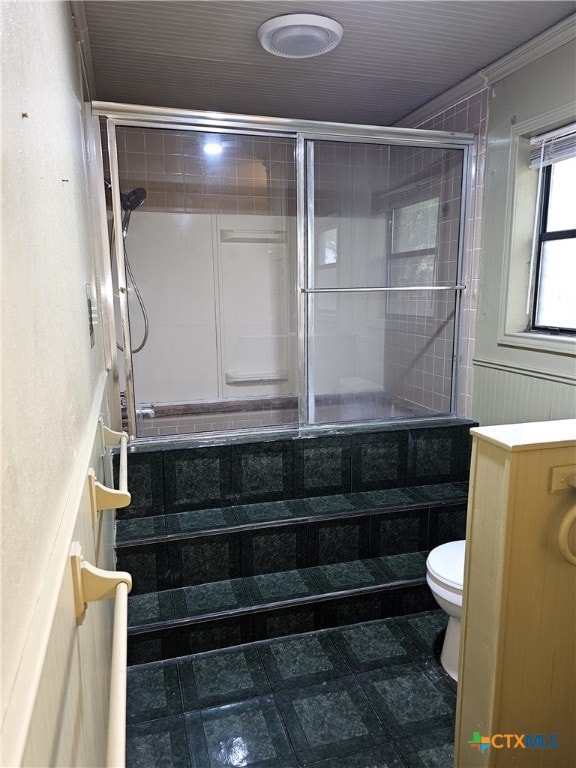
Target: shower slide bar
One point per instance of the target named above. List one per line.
(90, 584)
(102, 497)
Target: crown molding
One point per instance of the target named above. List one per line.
(555, 37)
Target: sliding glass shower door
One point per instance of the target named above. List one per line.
(383, 245)
(211, 250)
(284, 280)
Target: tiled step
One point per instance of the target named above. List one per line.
(166, 552)
(172, 478)
(197, 618)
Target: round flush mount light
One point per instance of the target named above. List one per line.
(300, 35)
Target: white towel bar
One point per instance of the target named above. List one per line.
(91, 583)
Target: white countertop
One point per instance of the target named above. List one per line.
(530, 436)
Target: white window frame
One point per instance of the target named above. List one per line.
(521, 212)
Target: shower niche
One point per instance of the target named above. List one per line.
(291, 279)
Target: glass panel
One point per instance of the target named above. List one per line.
(555, 306)
(561, 208)
(212, 250)
(385, 215)
(370, 363)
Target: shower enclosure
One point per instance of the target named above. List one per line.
(296, 275)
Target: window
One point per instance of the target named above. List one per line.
(554, 299)
(412, 262)
(415, 226)
(511, 231)
(328, 247)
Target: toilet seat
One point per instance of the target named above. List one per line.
(446, 564)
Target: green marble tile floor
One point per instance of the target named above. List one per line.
(369, 695)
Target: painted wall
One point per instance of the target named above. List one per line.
(53, 387)
(515, 382)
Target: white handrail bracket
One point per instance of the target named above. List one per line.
(91, 583)
(109, 436)
(101, 496)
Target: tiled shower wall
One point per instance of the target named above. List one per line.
(420, 331)
(252, 175)
(470, 115)
(348, 176)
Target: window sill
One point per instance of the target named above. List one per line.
(540, 342)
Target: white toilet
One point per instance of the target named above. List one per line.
(445, 577)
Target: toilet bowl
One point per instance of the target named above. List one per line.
(445, 577)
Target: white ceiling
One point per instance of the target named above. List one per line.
(395, 56)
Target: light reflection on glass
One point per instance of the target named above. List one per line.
(213, 148)
(233, 753)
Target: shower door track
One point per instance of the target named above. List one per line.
(304, 133)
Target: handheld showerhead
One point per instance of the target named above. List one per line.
(130, 201)
(133, 199)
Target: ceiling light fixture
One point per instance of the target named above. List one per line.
(300, 35)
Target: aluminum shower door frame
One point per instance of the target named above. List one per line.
(305, 133)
